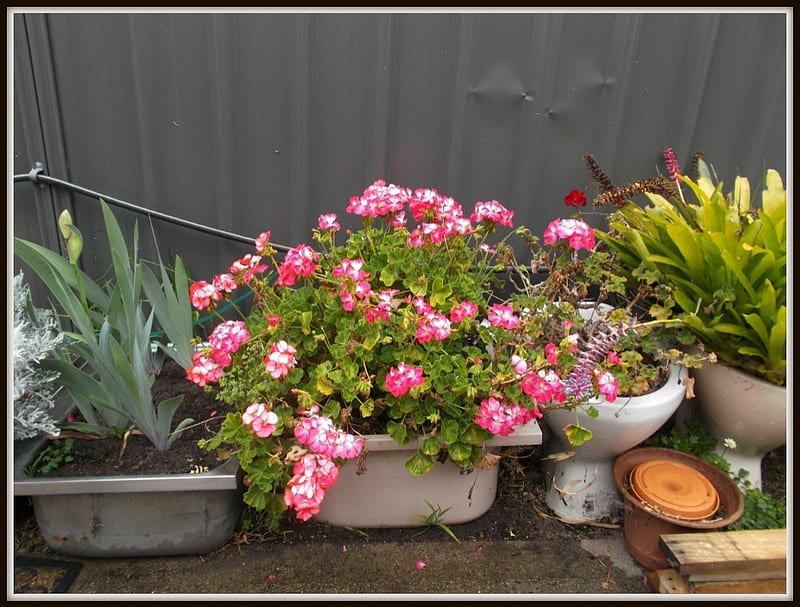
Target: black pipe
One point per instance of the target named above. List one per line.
(37, 176)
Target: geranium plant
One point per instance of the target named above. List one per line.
(397, 327)
(585, 333)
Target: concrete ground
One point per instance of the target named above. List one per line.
(508, 570)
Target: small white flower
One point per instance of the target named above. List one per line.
(729, 443)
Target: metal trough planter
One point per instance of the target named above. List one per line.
(136, 515)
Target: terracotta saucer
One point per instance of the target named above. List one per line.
(676, 489)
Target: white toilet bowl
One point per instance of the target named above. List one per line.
(736, 405)
(581, 488)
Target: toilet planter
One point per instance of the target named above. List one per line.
(380, 492)
(131, 515)
(668, 491)
(581, 487)
(734, 404)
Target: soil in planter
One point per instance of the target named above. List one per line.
(99, 457)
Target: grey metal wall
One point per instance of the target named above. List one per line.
(259, 121)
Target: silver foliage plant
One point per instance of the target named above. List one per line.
(36, 334)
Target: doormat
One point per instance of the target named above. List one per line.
(33, 575)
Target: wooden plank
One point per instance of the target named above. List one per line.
(730, 576)
(667, 581)
(726, 551)
(740, 587)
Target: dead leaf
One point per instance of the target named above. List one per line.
(560, 456)
(488, 461)
(688, 383)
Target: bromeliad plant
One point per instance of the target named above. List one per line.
(715, 261)
(395, 328)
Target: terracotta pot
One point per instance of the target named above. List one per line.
(385, 494)
(738, 405)
(644, 524)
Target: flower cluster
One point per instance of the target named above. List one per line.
(586, 325)
(399, 328)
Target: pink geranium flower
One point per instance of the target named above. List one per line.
(607, 384)
(313, 475)
(201, 294)
(403, 377)
(433, 326)
(493, 211)
(576, 232)
(204, 370)
(300, 261)
(500, 418)
(503, 316)
(261, 419)
(280, 359)
(328, 222)
(463, 311)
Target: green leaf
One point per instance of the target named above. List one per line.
(450, 430)
(460, 452)
(686, 243)
(389, 275)
(126, 267)
(84, 389)
(165, 412)
(182, 425)
(398, 432)
(61, 278)
(474, 435)
(172, 309)
(419, 464)
(431, 446)
(305, 321)
(773, 198)
(577, 435)
(332, 409)
(441, 292)
(324, 386)
(273, 503)
(741, 196)
(367, 408)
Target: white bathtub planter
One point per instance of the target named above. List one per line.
(581, 488)
(386, 495)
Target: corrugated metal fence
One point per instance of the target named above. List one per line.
(264, 120)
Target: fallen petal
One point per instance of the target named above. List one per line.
(420, 565)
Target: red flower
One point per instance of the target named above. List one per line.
(575, 198)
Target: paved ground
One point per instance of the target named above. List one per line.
(509, 570)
